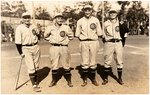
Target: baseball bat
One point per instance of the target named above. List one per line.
(18, 74)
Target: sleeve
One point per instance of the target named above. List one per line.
(47, 32)
(99, 29)
(19, 48)
(103, 31)
(18, 35)
(78, 29)
(35, 30)
(70, 33)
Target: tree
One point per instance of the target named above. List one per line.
(103, 9)
(78, 9)
(136, 15)
(5, 9)
(15, 9)
(41, 13)
(19, 9)
(123, 12)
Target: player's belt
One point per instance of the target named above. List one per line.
(114, 40)
(87, 40)
(58, 45)
(31, 44)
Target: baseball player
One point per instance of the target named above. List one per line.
(112, 46)
(88, 30)
(27, 45)
(59, 36)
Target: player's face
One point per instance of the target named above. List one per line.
(88, 12)
(113, 15)
(26, 20)
(59, 20)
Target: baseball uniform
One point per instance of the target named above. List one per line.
(112, 46)
(88, 30)
(59, 36)
(27, 45)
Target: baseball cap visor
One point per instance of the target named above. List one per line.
(113, 11)
(87, 7)
(26, 16)
(59, 16)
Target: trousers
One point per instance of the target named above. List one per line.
(32, 56)
(89, 51)
(113, 50)
(59, 54)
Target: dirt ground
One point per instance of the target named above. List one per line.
(135, 72)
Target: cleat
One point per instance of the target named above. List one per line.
(105, 82)
(84, 83)
(36, 88)
(53, 83)
(95, 83)
(70, 84)
(120, 81)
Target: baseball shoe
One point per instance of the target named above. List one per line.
(53, 83)
(36, 88)
(105, 82)
(84, 83)
(120, 81)
(95, 83)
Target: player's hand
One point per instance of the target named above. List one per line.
(22, 55)
(34, 32)
(47, 35)
(70, 37)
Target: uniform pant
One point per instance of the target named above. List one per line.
(88, 53)
(59, 54)
(113, 50)
(32, 55)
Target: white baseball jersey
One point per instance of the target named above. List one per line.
(24, 35)
(111, 30)
(55, 34)
(88, 28)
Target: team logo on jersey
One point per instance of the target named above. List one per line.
(93, 26)
(117, 28)
(62, 34)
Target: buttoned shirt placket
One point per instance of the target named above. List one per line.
(30, 32)
(57, 34)
(87, 28)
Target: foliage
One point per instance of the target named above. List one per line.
(15, 9)
(41, 13)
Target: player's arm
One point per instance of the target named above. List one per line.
(19, 48)
(35, 30)
(47, 32)
(103, 33)
(70, 33)
(99, 29)
(78, 29)
(18, 41)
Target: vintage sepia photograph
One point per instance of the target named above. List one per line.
(74, 47)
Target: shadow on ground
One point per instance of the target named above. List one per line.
(100, 71)
(43, 73)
